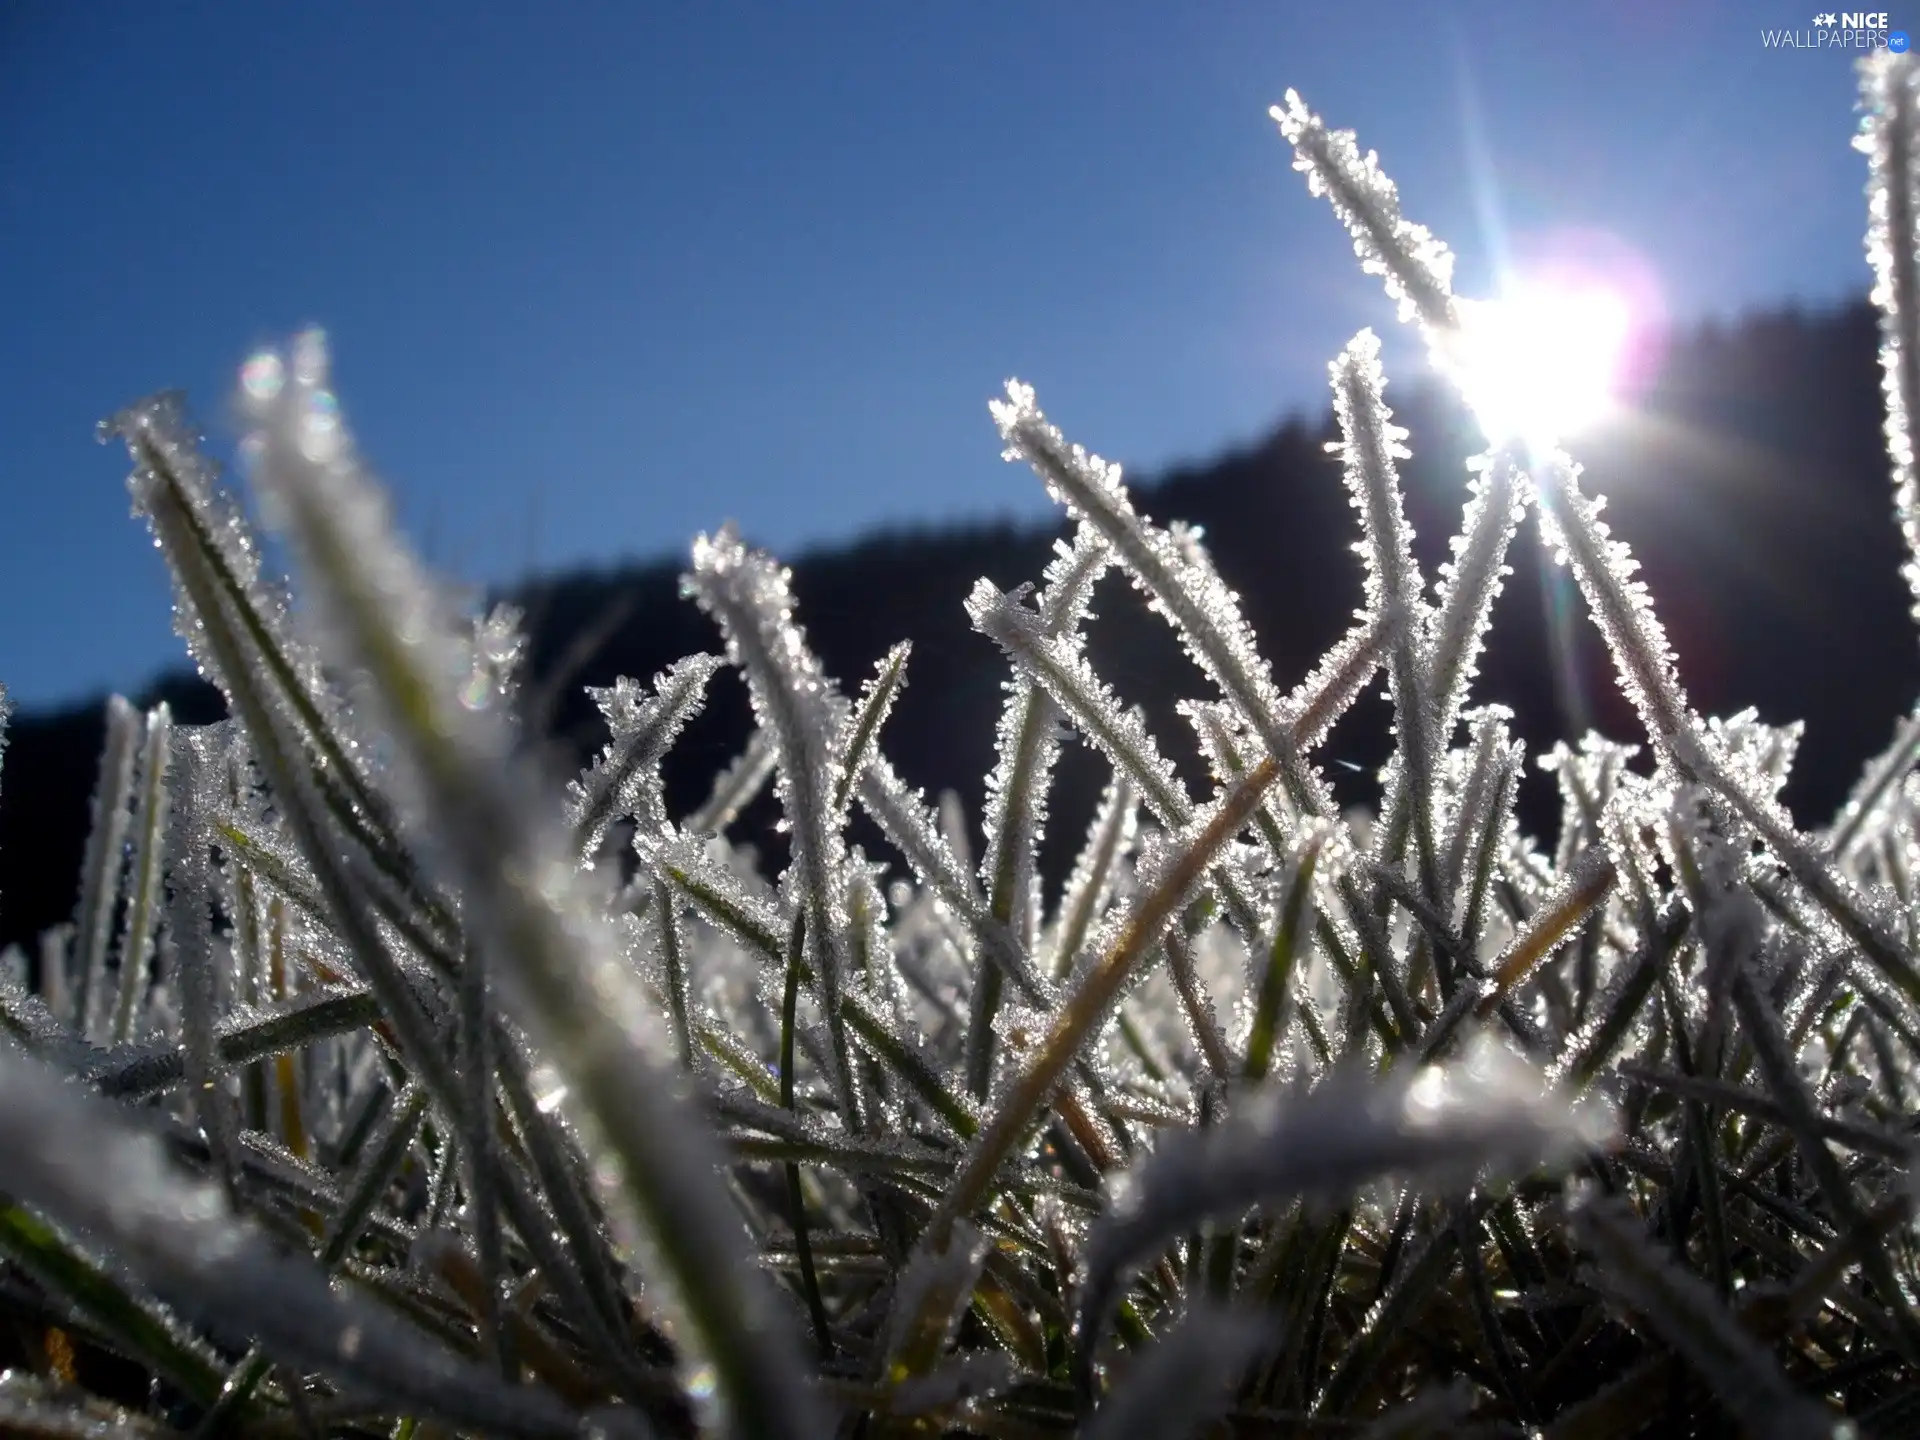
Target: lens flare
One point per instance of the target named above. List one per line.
(1543, 362)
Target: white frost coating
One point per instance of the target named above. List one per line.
(1571, 527)
(1028, 746)
(931, 1296)
(1061, 669)
(1757, 756)
(182, 1238)
(1028, 740)
(1890, 137)
(1192, 598)
(170, 471)
(1471, 580)
(1372, 972)
(750, 597)
(1095, 880)
(144, 889)
(859, 735)
(199, 801)
(1326, 692)
(545, 933)
(624, 778)
(101, 868)
(1417, 268)
(1370, 444)
(1441, 1124)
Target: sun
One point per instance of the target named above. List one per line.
(1543, 362)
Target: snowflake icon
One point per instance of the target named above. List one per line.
(1825, 17)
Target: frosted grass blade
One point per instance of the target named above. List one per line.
(644, 726)
(735, 787)
(100, 869)
(523, 896)
(749, 598)
(1028, 748)
(181, 1237)
(1370, 443)
(1080, 1014)
(1890, 137)
(136, 1071)
(137, 937)
(1417, 268)
(1090, 888)
(1438, 1125)
(1470, 582)
(1184, 590)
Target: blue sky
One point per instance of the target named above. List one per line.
(600, 275)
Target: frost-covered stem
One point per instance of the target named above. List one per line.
(748, 595)
(904, 818)
(522, 896)
(189, 926)
(1017, 790)
(673, 965)
(1605, 568)
(1336, 682)
(1089, 1004)
(1091, 884)
(1417, 268)
(1190, 596)
(1500, 791)
(168, 473)
(796, 1196)
(379, 1164)
(1644, 660)
(143, 902)
(643, 729)
(182, 1239)
(136, 1071)
(1370, 445)
(1208, 1037)
(100, 870)
(1469, 583)
(1063, 670)
(1579, 894)
(1865, 802)
(1890, 135)
(1683, 1311)
(341, 901)
(1293, 917)
(861, 740)
(1828, 888)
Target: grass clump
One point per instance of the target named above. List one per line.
(376, 1092)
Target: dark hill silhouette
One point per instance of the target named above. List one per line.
(1752, 484)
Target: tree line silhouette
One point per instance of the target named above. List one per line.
(1751, 481)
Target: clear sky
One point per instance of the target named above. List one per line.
(599, 275)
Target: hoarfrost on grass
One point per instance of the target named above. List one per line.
(1262, 1113)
